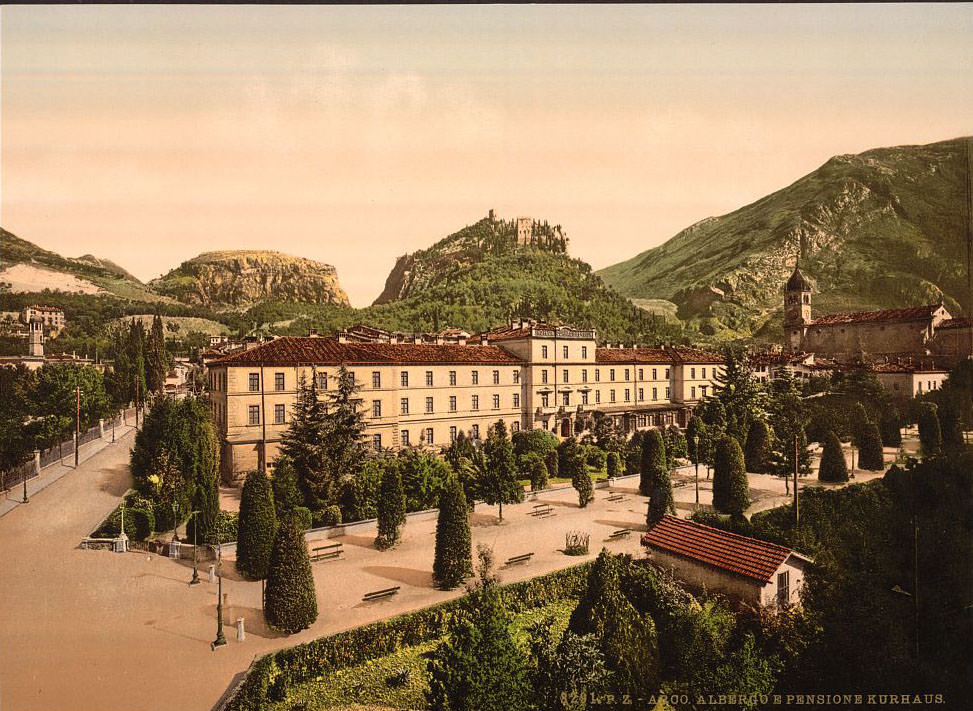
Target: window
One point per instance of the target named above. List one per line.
(516, 376)
(452, 433)
(452, 377)
(428, 404)
(404, 379)
(655, 373)
(703, 376)
(545, 400)
(668, 393)
(564, 375)
(515, 426)
(253, 414)
(667, 373)
(597, 396)
(279, 411)
(377, 442)
(655, 393)
(641, 394)
(692, 373)
(597, 375)
(641, 376)
(784, 588)
(278, 381)
(254, 382)
(566, 399)
(702, 391)
(429, 439)
(376, 408)
(516, 399)
(584, 375)
(376, 379)
(543, 351)
(452, 403)
(322, 381)
(611, 375)
(543, 376)
(475, 431)
(476, 402)
(692, 392)
(584, 352)
(496, 402)
(584, 397)
(496, 377)
(627, 392)
(626, 374)
(476, 377)
(428, 378)
(404, 406)
(611, 396)
(404, 438)
(564, 351)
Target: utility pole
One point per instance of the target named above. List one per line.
(77, 423)
(137, 401)
(263, 424)
(797, 510)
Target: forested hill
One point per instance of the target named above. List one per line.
(480, 277)
(884, 228)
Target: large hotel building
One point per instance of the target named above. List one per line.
(423, 391)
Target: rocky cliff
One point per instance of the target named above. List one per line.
(237, 279)
(882, 228)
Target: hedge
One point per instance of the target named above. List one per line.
(271, 675)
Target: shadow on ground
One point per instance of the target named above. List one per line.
(409, 576)
(360, 541)
(115, 481)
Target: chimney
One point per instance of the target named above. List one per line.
(312, 333)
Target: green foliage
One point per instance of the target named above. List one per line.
(257, 527)
(930, 434)
(301, 515)
(833, 468)
(139, 519)
(284, 485)
(532, 464)
(157, 358)
(757, 453)
(328, 516)
(290, 602)
(423, 477)
(698, 444)
(611, 465)
(360, 492)
(675, 443)
(870, 454)
(891, 431)
(572, 464)
(499, 481)
(731, 491)
(581, 481)
(734, 524)
(391, 509)
(453, 561)
(653, 461)
(661, 500)
(570, 668)
(742, 397)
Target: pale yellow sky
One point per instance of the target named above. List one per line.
(352, 135)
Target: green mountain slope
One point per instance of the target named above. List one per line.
(880, 229)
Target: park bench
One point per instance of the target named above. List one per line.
(620, 533)
(522, 558)
(542, 510)
(378, 594)
(333, 550)
(93, 543)
(616, 497)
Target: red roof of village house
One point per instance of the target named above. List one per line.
(291, 350)
(749, 557)
(632, 355)
(912, 313)
(683, 354)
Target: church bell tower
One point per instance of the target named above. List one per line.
(797, 310)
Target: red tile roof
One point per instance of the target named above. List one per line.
(740, 555)
(905, 368)
(961, 322)
(682, 354)
(632, 355)
(295, 351)
(912, 313)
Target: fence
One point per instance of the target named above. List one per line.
(28, 470)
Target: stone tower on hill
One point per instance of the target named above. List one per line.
(525, 230)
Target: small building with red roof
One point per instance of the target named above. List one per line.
(746, 569)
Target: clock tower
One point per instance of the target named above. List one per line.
(797, 310)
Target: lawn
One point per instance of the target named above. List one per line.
(382, 683)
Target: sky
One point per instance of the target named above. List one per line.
(352, 135)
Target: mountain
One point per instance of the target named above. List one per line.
(483, 275)
(106, 264)
(239, 278)
(884, 228)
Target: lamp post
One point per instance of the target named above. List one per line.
(220, 637)
(26, 500)
(77, 424)
(915, 585)
(113, 419)
(195, 580)
(175, 522)
(696, 462)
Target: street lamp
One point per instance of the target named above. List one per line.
(26, 500)
(195, 580)
(77, 424)
(220, 637)
(695, 441)
(175, 522)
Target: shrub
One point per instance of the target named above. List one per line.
(551, 460)
(661, 501)
(581, 481)
(595, 457)
(532, 467)
(391, 509)
(758, 447)
(291, 603)
(833, 467)
(611, 463)
(330, 515)
(300, 515)
(891, 434)
(653, 461)
(257, 527)
(454, 553)
(576, 542)
(930, 433)
(870, 454)
(731, 491)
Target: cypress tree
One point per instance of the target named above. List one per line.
(286, 494)
(653, 461)
(453, 561)
(950, 425)
(257, 527)
(870, 454)
(930, 433)
(612, 465)
(291, 603)
(833, 467)
(391, 508)
(661, 501)
(891, 434)
(758, 447)
(581, 481)
(731, 491)
(857, 421)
